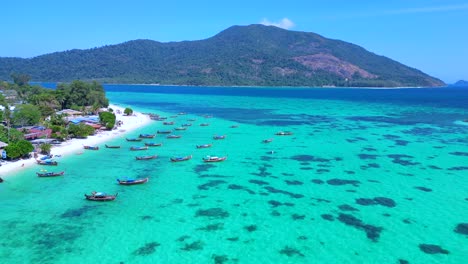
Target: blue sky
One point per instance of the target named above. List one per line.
(430, 35)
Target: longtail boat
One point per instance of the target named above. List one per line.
(187, 125)
(47, 162)
(204, 124)
(214, 159)
(100, 197)
(113, 147)
(139, 148)
(174, 136)
(177, 159)
(49, 174)
(219, 137)
(133, 139)
(146, 157)
(164, 131)
(91, 147)
(267, 140)
(152, 144)
(132, 182)
(180, 128)
(284, 133)
(168, 123)
(204, 146)
(147, 135)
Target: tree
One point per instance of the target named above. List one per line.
(45, 148)
(80, 130)
(128, 111)
(26, 114)
(25, 146)
(107, 119)
(18, 149)
(20, 79)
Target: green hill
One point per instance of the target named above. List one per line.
(254, 55)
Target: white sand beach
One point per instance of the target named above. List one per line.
(75, 146)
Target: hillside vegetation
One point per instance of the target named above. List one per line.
(254, 55)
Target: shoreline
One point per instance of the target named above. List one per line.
(75, 146)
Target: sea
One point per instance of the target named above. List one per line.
(367, 176)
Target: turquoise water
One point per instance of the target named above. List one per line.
(368, 176)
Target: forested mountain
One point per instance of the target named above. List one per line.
(240, 55)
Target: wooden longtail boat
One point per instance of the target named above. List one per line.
(177, 159)
(204, 146)
(164, 131)
(284, 133)
(152, 144)
(100, 197)
(267, 140)
(49, 174)
(113, 147)
(91, 147)
(180, 128)
(214, 159)
(146, 135)
(146, 157)
(139, 148)
(168, 123)
(133, 139)
(174, 136)
(219, 137)
(132, 182)
(47, 162)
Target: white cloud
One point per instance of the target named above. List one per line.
(283, 23)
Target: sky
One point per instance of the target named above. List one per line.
(429, 35)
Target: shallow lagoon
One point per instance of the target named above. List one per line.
(367, 176)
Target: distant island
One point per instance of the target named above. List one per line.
(253, 55)
(460, 83)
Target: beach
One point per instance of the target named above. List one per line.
(75, 146)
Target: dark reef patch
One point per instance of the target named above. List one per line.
(335, 182)
(400, 142)
(317, 181)
(250, 228)
(458, 168)
(347, 207)
(321, 170)
(72, 213)
(328, 217)
(292, 195)
(306, 168)
(402, 159)
(372, 232)
(215, 213)
(297, 217)
(219, 259)
(210, 184)
(459, 153)
(434, 167)
(239, 187)
(462, 228)
(424, 189)
(147, 249)
(212, 227)
(432, 249)
(384, 201)
(349, 172)
(309, 158)
(369, 149)
(197, 245)
(276, 203)
(420, 131)
(402, 261)
(203, 167)
(290, 252)
(259, 182)
(364, 156)
(293, 182)
(146, 217)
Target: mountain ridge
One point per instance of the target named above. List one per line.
(253, 55)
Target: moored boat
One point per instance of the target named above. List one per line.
(177, 159)
(91, 147)
(204, 124)
(139, 148)
(174, 136)
(152, 144)
(168, 123)
(234, 126)
(191, 119)
(47, 162)
(133, 139)
(133, 181)
(284, 133)
(164, 131)
(214, 159)
(219, 137)
(112, 146)
(146, 157)
(187, 125)
(181, 128)
(146, 135)
(267, 140)
(49, 174)
(100, 197)
(204, 146)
